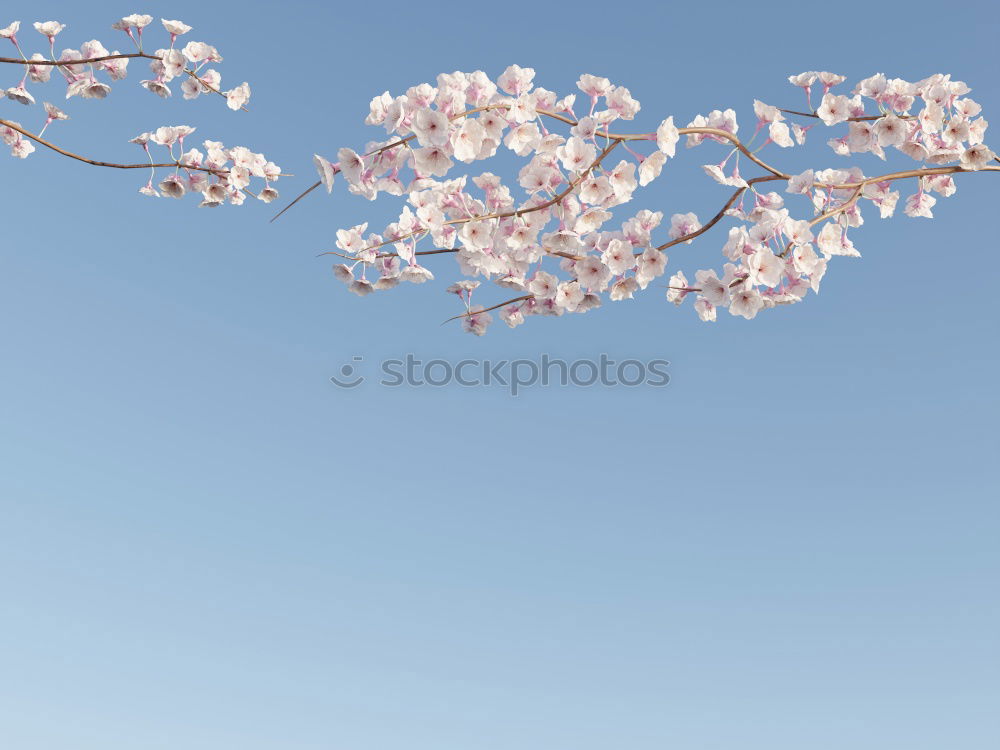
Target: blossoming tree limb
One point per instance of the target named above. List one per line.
(552, 248)
(571, 187)
(222, 175)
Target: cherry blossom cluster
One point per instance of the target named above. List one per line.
(219, 175)
(551, 240)
(79, 68)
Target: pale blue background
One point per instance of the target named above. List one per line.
(204, 544)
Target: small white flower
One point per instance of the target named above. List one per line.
(651, 167)
(477, 322)
(623, 289)
(138, 20)
(175, 28)
(326, 171)
(54, 112)
(920, 204)
(173, 187)
(95, 90)
(833, 109)
(22, 148)
(361, 287)
(682, 225)
(49, 28)
(20, 94)
(746, 303)
(976, 157)
(236, 98)
(667, 137)
(569, 295)
(416, 275)
(158, 88)
(705, 310)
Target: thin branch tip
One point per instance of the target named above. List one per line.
(296, 200)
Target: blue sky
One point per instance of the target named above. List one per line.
(205, 544)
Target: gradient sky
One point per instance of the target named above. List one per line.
(205, 544)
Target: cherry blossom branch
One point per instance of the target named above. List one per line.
(442, 251)
(436, 251)
(210, 87)
(122, 56)
(722, 212)
(737, 143)
(88, 61)
(112, 165)
(925, 172)
(861, 118)
(221, 175)
(846, 205)
(763, 271)
(430, 126)
(470, 313)
(508, 214)
(615, 140)
(617, 137)
(858, 188)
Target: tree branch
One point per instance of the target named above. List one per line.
(470, 313)
(123, 56)
(113, 165)
(861, 118)
(59, 63)
(96, 163)
(718, 217)
(617, 137)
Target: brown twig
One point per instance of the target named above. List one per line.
(296, 200)
(470, 313)
(925, 172)
(718, 217)
(829, 214)
(209, 86)
(443, 250)
(860, 118)
(60, 63)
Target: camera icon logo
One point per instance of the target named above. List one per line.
(348, 375)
